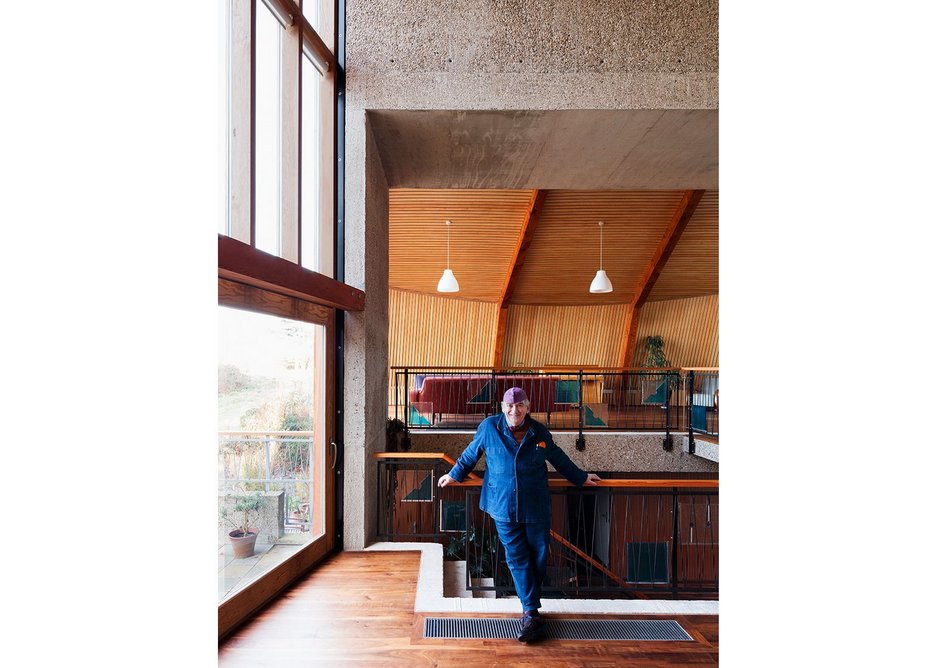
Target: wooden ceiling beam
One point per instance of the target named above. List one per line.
(535, 207)
(682, 215)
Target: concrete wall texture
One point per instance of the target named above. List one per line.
(495, 55)
(604, 452)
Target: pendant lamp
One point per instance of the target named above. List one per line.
(601, 282)
(448, 282)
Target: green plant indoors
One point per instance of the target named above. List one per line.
(484, 547)
(655, 357)
(654, 352)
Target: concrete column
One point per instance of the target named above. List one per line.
(366, 332)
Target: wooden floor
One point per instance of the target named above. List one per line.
(357, 609)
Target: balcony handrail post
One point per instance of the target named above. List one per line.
(406, 401)
(580, 441)
(467, 515)
(691, 448)
(676, 539)
(668, 442)
(267, 464)
(493, 392)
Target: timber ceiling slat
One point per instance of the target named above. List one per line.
(484, 235)
(564, 255)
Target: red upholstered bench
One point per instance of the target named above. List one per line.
(452, 394)
(467, 395)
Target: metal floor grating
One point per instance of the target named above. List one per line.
(558, 629)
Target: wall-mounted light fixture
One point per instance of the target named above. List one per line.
(448, 282)
(601, 282)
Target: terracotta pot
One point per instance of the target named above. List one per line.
(241, 545)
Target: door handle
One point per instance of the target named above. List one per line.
(335, 453)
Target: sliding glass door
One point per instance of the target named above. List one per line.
(275, 455)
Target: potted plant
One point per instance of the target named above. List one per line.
(396, 439)
(655, 357)
(243, 518)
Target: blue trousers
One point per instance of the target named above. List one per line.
(526, 548)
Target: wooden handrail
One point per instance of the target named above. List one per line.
(266, 433)
(476, 481)
(569, 367)
(423, 455)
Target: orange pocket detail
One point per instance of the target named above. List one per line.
(542, 444)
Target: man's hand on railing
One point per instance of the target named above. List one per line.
(591, 479)
(444, 480)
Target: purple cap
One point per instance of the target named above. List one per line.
(514, 395)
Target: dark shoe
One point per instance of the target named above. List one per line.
(531, 627)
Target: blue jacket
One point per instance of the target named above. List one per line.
(515, 485)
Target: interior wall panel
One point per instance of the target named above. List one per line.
(588, 336)
(690, 328)
(426, 330)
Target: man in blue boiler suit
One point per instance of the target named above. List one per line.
(515, 494)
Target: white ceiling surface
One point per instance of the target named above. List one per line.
(571, 149)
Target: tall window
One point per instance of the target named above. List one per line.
(271, 452)
(276, 368)
(281, 129)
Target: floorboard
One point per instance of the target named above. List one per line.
(357, 609)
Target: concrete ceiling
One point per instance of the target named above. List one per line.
(564, 149)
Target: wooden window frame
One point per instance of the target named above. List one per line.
(299, 40)
(241, 606)
(252, 280)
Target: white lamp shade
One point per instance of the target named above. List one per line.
(448, 282)
(600, 284)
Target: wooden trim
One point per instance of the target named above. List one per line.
(535, 206)
(545, 369)
(327, 167)
(644, 483)
(554, 482)
(238, 295)
(501, 326)
(682, 215)
(627, 349)
(242, 263)
(290, 55)
(241, 82)
(242, 605)
(323, 58)
(289, 14)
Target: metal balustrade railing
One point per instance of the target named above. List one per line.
(622, 538)
(668, 400)
(251, 461)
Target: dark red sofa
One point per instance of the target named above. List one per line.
(466, 395)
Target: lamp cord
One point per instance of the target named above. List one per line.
(600, 247)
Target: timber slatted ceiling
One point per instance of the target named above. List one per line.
(427, 330)
(694, 268)
(564, 254)
(483, 236)
(690, 328)
(538, 336)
